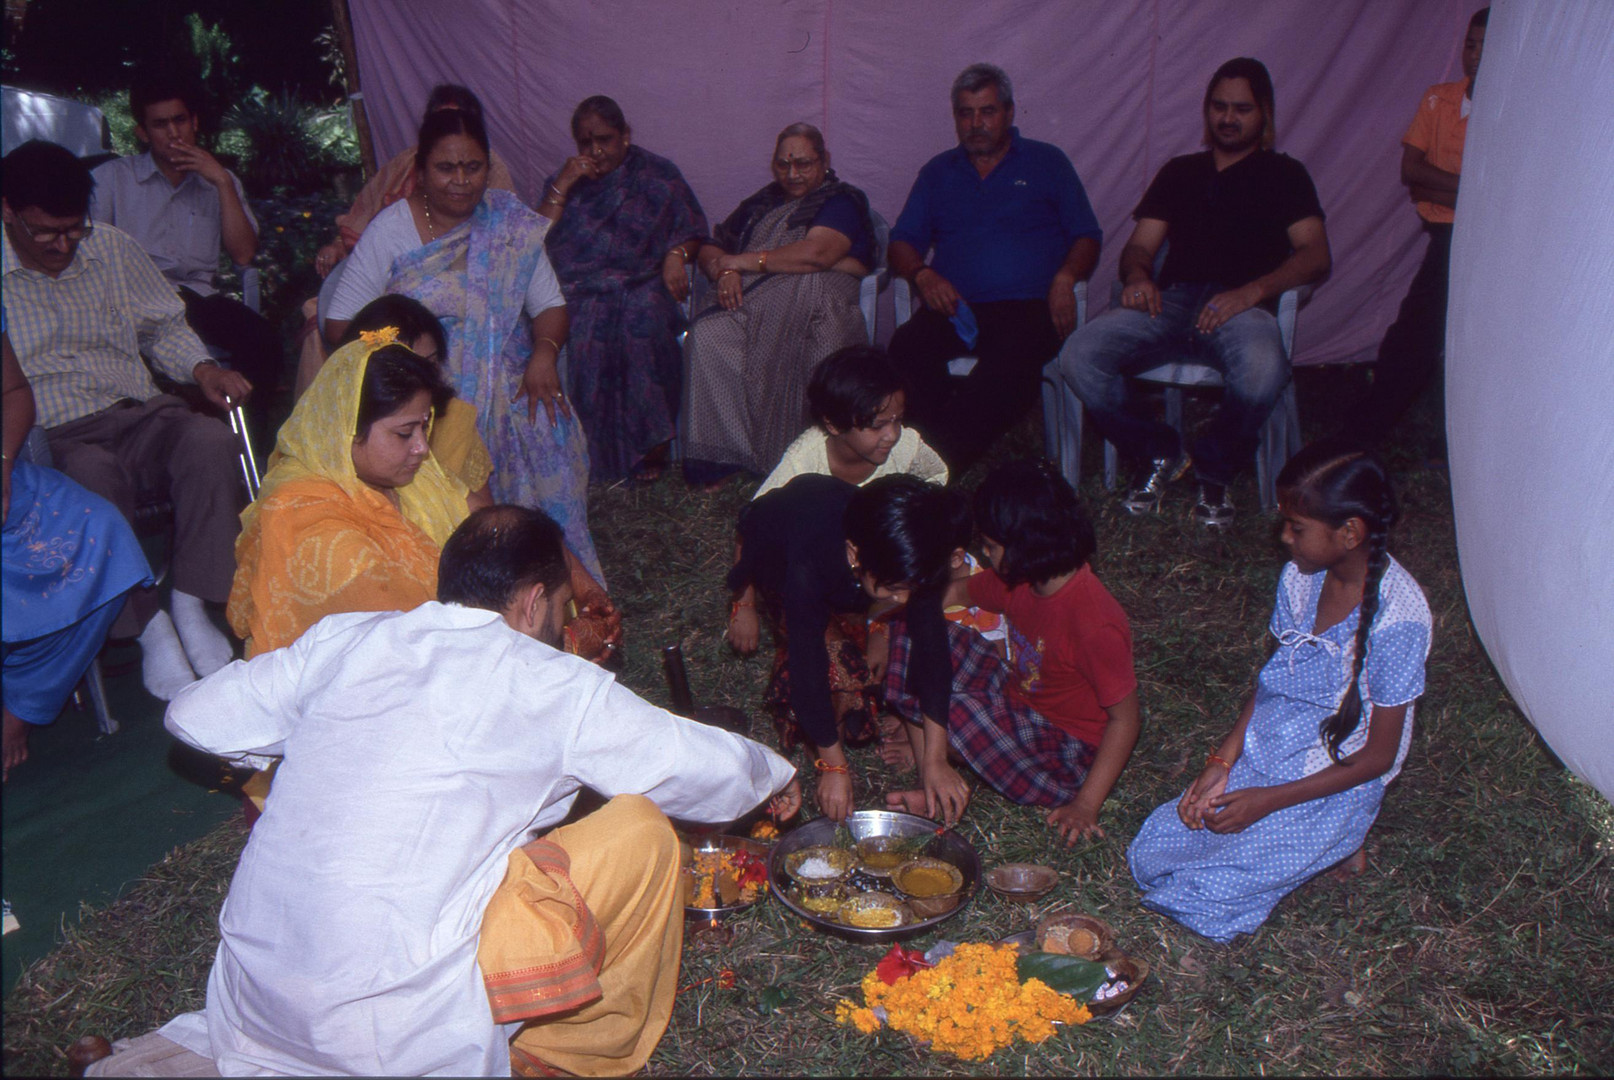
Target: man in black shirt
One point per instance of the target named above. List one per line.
(1244, 226)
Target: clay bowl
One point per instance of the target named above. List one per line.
(1076, 935)
(1021, 883)
(1125, 967)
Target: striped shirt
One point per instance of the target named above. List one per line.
(79, 335)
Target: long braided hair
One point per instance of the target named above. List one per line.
(1333, 482)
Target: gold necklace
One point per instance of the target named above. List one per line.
(426, 206)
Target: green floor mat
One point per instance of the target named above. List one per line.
(88, 813)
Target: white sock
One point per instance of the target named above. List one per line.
(163, 667)
(207, 649)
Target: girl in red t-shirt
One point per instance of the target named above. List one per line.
(1054, 724)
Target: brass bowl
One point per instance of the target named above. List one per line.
(859, 906)
(1021, 883)
(904, 877)
(1075, 935)
(842, 860)
(823, 900)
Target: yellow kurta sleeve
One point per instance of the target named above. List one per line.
(459, 448)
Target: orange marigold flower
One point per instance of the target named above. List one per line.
(971, 1004)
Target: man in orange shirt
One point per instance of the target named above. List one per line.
(1431, 161)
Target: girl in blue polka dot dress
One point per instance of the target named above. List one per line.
(1295, 786)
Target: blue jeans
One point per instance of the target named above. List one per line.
(1247, 350)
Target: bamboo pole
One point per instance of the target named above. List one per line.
(350, 77)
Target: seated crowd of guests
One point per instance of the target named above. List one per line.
(474, 362)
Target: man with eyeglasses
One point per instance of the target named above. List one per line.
(82, 304)
(180, 204)
(1013, 233)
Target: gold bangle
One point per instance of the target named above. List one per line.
(552, 341)
(823, 766)
(762, 262)
(1222, 761)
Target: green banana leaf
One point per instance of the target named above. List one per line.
(1068, 974)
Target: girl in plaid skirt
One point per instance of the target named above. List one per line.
(1054, 723)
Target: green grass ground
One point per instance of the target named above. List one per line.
(1478, 941)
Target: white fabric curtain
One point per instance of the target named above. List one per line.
(1530, 369)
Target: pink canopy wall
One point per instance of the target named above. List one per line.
(1116, 84)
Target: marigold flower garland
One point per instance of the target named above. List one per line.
(971, 1004)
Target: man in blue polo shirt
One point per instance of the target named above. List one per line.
(1013, 232)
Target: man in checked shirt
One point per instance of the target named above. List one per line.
(82, 303)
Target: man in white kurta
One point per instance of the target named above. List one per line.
(420, 749)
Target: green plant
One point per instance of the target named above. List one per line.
(115, 107)
(285, 144)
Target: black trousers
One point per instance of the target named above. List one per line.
(962, 418)
(254, 347)
(1410, 354)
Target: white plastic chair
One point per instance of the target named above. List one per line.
(868, 289)
(1280, 434)
(1061, 409)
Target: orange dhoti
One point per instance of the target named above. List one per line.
(582, 940)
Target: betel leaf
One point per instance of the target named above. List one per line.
(1067, 974)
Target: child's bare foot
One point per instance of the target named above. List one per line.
(911, 801)
(897, 753)
(1350, 867)
(891, 727)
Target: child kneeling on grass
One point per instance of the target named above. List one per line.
(856, 399)
(1295, 786)
(1054, 724)
(820, 548)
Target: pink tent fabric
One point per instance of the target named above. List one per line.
(1117, 85)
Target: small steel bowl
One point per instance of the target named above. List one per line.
(1021, 883)
(879, 856)
(689, 846)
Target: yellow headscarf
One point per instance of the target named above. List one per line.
(317, 441)
(318, 540)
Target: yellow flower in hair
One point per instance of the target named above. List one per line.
(387, 335)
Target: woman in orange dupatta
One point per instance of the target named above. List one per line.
(355, 511)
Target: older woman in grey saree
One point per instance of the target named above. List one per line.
(781, 293)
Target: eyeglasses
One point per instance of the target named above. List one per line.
(47, 237)
(786, 166)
